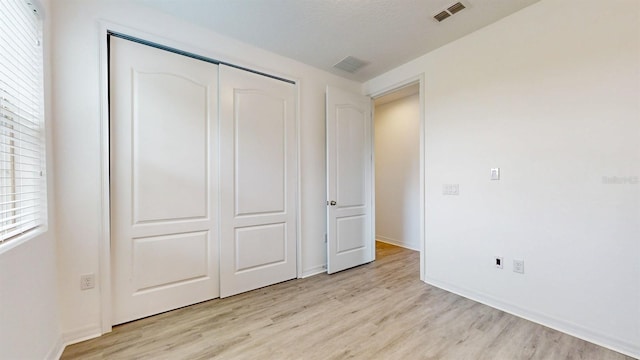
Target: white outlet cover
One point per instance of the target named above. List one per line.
(518, 266)
(498, 262)
(450, 189)
(87, 281)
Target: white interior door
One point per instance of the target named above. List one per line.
(163, 180)
(350, 239)
(258, 181)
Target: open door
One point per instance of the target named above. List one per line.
(350, 239)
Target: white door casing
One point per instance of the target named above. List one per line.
(163, 163)
(258, 183)
(350, 239)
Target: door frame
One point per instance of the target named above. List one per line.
(104, 248)
(419, 79)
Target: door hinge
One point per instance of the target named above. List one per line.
(325, 238)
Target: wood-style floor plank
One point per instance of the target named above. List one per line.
(376, 311)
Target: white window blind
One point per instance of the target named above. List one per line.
(21, 120)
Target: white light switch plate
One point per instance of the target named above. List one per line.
(495, 174)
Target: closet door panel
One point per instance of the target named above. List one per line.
(258, 181)
(163, 163)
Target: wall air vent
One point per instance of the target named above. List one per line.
(453, 9)
(350, 64)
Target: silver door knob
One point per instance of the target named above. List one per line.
(332, 203)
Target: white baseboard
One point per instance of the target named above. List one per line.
(396, 243)
(56, 351)
(81, 334)
(564, 326)
(314, 271)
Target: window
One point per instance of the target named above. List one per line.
(22, 185)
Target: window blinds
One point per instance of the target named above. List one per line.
(21, 113)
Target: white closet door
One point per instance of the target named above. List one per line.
(163, 180)
(258, 181)
(350, 239)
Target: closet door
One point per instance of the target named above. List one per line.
(163, 180)
(258, 181)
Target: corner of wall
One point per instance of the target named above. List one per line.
(81, 334)
(56, 350)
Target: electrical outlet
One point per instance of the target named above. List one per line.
(499, 262)
(87, 281)
(450, 189)
(518, 266)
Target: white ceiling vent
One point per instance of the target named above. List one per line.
(350, 64)
(453, 9)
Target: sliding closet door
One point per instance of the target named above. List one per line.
(258, 181)
(163, 180)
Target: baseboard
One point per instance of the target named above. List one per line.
(567, 327)
(396, 243)
(81, 334)
(56, 351)
(314, 271)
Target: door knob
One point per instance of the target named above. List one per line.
(332, 203)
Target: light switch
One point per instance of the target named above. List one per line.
(495, 174)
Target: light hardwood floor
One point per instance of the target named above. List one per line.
(376, 311)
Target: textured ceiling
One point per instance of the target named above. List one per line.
(384, 33)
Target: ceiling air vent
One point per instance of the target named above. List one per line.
(441, 16)
(350, 64)
(453, 9)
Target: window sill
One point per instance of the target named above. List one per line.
(21, 239)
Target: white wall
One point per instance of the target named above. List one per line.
(28, 300)
(77, 135)
(551, 95)
(397, 153)
(29, 322)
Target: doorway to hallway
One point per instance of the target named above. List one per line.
(397, 167)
